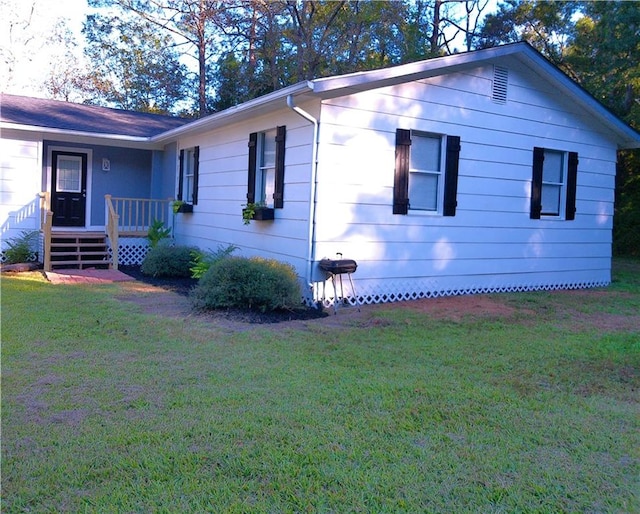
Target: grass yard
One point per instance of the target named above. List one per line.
(108, 409)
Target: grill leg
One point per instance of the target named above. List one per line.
(353, 288)
(335, 294)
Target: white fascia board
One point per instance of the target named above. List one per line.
(364, 80)
(240, 112)
(55, 132)
(331, 87)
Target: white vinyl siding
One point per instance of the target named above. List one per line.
(222, 191)
(20, 183)
(491, 243)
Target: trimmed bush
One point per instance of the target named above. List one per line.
(254, 283)
(202, 261)
(165, 260)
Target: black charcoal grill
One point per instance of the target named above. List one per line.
(336, 268)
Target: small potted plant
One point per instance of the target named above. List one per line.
(180, 206)
(256, 211)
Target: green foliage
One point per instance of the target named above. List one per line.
(157, 232)
(133, 65)
(165, 260)
(202, 261)
(249, 211)
(176, 206)
(21, 248)
(248, 283)
(626, 220)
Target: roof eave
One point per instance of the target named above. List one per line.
(247, 109)
(75, 133)
(331, 87)
(364, 80)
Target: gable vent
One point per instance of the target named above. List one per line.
(499, 88)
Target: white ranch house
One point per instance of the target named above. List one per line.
(476, 172)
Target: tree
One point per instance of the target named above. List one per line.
(311, 32)
(192, 24)
(546, 25)
(35, 51)
(134, 67)
(605, 56)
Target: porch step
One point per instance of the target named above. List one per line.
(79, 250)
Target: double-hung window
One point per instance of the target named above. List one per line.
(266, 168)
(553, 189)
(188, 176)
(426, 175)
(266, 174)
(425, 172)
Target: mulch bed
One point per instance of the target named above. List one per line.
(183, 286)
(180, 285)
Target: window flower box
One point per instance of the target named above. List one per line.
(184, 207)
(257, 213)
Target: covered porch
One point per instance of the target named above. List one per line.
(122, 242)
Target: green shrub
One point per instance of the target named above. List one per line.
(202, 261)
(22, 248)
(157, 232)
(255, 283)
(165, 260)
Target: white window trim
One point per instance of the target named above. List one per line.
(443, 156)
(261, 168)
(188, 173)
(563, 186)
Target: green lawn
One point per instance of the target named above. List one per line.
(108, 409)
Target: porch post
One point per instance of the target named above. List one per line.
(171, 218)
(113, 221)
(48, 222)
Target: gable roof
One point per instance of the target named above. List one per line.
(332, 87)
(55, 116)
(86, 119)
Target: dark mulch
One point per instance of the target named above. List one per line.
(183, 286)
(180, 285)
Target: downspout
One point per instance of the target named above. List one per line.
(312, 195)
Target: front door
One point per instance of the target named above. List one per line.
(69, 188)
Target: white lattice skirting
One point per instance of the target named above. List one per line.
(398, 290)
(131, 250)
(33, 258)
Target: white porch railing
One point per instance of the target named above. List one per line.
(133, 217)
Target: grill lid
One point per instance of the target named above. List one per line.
(338, 266)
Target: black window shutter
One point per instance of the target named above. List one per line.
(181, 175)
(536, 184)
(451, 176)
(572, 182)
(278, 194)
(401, 178)
(253, 153)
(196, 170)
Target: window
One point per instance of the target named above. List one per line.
(266, 167)
(188, 178)
(69, 174)
(553, 185)
(426, 175)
